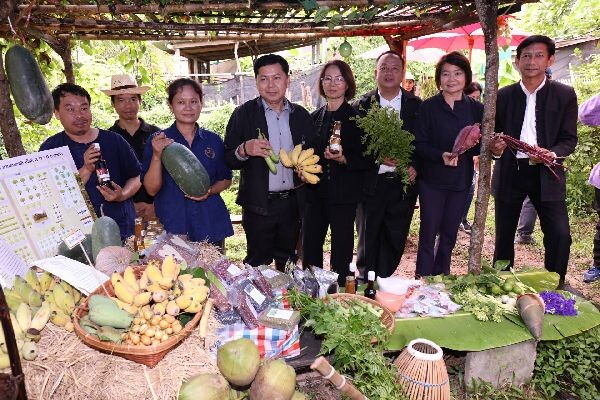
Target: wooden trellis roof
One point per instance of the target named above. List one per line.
(210, 20)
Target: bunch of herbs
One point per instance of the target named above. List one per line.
(347, 331)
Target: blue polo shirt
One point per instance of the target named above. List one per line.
(200, 220)
(122, 165)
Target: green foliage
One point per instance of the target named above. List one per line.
(217, 119)
(481, 390)
(428, 88)
(570, 365)
(385, 137)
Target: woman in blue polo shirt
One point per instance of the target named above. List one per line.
(200, 218)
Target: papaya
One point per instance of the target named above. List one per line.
(186, 170)
(28, 86)
(76, 253)
(105, 232)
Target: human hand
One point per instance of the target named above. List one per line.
(412, 174)
(389, 162)
(497, 145)
(339, 156)
(257, 148)
(114, 194)
(90, 157)
(450, 159)
(159, 142)
(201, 198)
(541, 155)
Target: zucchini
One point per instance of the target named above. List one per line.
(186, 170)
(27, 85)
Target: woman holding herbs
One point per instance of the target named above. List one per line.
(333, 201)
(445, 177)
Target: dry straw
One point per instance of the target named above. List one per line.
(422, 371)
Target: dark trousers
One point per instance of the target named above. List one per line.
(597, 237)
(318, 216)
(441, 214)
(554, 220)
(383, 222)
(272, 236)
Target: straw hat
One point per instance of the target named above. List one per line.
(124, 84)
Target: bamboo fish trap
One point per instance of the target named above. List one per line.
(422, 371)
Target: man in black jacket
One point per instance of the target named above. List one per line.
(383, 219)
(270, 202)
(542, 113)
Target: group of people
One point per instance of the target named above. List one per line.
(279, 208)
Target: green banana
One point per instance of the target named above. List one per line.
(32, 278)
(16, 327)
(63, 300)
(12, 299)
(2, 342)
(4, 361)
(41, 317)
(45, 281)
(271, 165)
(272, 158)
(23, 315)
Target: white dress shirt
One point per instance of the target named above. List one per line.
(528, 130)
(395, 103)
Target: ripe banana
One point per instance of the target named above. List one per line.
(170, 268)
(31, 278)
(41, 317)
(172, 308)
(124, 292)
(4, 361)
(116, 277)
(141, 299)
(63, 300)
(46, 280)
(305, 154)
(129, 308)
(23, 315)
(154, 274)
(194, 307)
(12, 299)
(3, 348)
(130, 279)
(310, 160)
(285, 159)
(159, 309)
(295, 153)
(313, 169)
(160, 296)
(310, 178)
(59, 318)
(16, 327)
(184, 301)
(143, 282)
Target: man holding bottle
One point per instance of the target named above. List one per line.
(72, 109)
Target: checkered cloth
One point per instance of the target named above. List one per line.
(271, 342)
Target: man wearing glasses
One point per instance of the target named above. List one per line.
(383, 218)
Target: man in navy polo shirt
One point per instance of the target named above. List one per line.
(72, 108)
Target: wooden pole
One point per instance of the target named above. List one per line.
(487, 11)
(8, 123)
(322, 366)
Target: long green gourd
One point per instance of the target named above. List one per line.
(186, 170)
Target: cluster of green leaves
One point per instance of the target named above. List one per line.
(385, 137)
(481, 390)
(569, 366)
(347, 331)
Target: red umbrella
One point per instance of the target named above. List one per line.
(467, 37)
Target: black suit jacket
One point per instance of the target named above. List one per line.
(409, 109)
(556, 126)
(254, 173)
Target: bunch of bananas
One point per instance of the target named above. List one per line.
(161, 288)
(27, 326)
(33, 291)
(303, 161)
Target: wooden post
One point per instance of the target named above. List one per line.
(8, 124)
(488, 13)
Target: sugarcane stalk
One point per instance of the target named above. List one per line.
(322, 366)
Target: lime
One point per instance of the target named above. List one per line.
(517, 289)
(496, 290)
(508, 285)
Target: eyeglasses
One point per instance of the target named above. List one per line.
(328, 80)
(384, 69)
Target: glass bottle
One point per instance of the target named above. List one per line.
(138, 230)
(102, 170)
(350, 286)
(370, 290)
(335, 141)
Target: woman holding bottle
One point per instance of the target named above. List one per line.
(332, 202)
(200, 218)
(445, 178)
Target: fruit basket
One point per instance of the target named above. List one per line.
(386, 317)
(146, 355)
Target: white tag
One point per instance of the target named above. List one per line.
(181, 243)
(74, 239)
(281, 314)
(234, 270)
(255, 294)
(269, 273)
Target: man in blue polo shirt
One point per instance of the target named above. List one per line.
(72, 108)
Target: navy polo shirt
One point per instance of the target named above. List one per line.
(200, 220)
(438, 126)
(122, 165)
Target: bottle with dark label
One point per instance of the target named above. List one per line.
(350, 286)
(102, 170)
(335, 141)
(370, 290)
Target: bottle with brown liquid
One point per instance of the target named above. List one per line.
(370, 290)
(102, 170)
(335, 141)
(350, 286)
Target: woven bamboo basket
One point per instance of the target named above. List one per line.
(147, 355)
(387, 317)
(422, 371)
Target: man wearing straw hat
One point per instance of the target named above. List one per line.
(126, 98)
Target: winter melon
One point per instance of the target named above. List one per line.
(105, 232)
(76, 253)
(186, 170)
(27, 85)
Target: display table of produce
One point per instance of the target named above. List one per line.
(461, 331)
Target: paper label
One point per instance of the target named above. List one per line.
(234, 270)
(255, 294)
(10, 265)
(74, 239)
(81, 276)
(281, 314)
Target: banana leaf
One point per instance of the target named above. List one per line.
(539, 279)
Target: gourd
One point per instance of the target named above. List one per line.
(186, 170)
(105, 232)
(27, 85)
(76, 253)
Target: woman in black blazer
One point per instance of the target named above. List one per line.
(444, 179)
(332, 202)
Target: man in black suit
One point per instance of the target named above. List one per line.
(270, 201)
(383, 219)
(542, 113)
